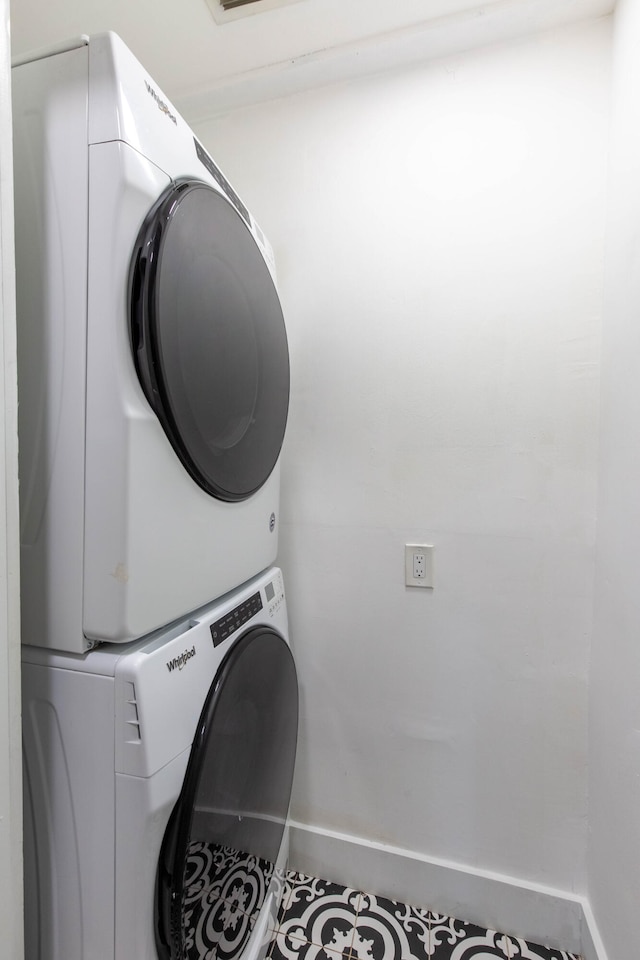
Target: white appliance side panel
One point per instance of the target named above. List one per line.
(122, 188)
(68, 750)
(51, 173)
(156, 545)
(161, 687)
(125, 103)
(143, 807)
(207, 547)
(159, 697)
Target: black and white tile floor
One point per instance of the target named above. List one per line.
(224, 890)
(320, 920)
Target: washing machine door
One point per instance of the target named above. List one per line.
(209, 339)
(223, 837)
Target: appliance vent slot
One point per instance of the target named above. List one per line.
(131, 717)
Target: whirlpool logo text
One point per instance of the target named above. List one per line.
(164, 107)
(178, 662)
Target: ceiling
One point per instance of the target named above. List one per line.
(205, 66)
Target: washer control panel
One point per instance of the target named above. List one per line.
(269, 597)
(236, 618)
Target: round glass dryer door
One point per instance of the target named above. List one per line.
(222, 841)
(209, 339)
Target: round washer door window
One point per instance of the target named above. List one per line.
(209, 340)
(222, 841)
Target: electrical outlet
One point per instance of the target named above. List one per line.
(418, 565)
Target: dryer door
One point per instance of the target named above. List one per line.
(209, 339)
(224, 834)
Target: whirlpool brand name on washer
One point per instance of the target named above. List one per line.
(161, 104)
(178, 662)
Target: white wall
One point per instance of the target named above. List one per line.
(614, 856)
(10, 755)
(439, 235)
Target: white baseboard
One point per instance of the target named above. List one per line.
(532, 911)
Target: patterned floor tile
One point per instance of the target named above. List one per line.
(291, 879)
(221, 931)
(225, 890)
(452, 939)
(524, 950)
(276, 905)
(318, 913)
(301, 950)
(212, 871)
(205, 869)
(388, 930)
(321, 920)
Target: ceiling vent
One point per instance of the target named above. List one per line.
(232, 4)
(226, 10)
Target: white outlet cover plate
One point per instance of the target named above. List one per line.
(410, 551)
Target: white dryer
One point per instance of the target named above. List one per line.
(157, 785)
(153, 361)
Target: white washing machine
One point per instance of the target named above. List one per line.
(153, 362)
(157, 785)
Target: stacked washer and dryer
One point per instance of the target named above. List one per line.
(159, 692)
